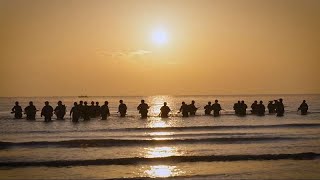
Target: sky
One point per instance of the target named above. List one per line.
(159, 47)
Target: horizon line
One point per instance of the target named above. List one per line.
(256, 94)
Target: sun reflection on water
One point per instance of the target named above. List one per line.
(162, 171)
(156, 103)
(157, 123)
(163, 151)
(160, 133)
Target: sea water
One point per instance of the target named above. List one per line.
(199, 147)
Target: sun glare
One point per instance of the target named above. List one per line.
(161, 171)
(165, 151)
(159, 37)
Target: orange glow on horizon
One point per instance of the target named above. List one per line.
(195, 48)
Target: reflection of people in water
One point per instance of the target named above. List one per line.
(208, 109)
(216, 108)
(105, 111)
(143, 109)
(164, 110)
(47, 112)
(280, 107)
(30, 111)
(60, 111)
(192, 108)
(75, 112)
(261, 109)
(122, 109)
(17, 110)
(303, 108)
(184, 109)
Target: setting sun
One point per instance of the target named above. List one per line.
(159, 37)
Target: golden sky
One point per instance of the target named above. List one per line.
(96, 47)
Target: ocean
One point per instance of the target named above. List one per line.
(199, 147)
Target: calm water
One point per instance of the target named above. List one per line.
(226, 147)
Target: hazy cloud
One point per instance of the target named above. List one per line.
(123, 54)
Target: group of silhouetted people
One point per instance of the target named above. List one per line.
(85, 112)
(216, 108)
(240, 108)
(47, 111)
(82, 110)
(78, 111)
(276, 106)
(259, 109)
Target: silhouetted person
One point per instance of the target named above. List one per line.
(60, 111)
(254, 107)
(243, 108)
(97, 109)
(86, 111)
(122, 109)
(17, 110)
(208, 109)
(276, 104)
(192, 108)
(216, 108)
(280, 108)
(92, 109)
(184, 109)
(75, 112)
(164, 110)
(271, 107)
(261, 109)
(303, 108)
(236, 108)
(104, 111)
(30, 111)
(47, 112)
(81, 109)
(143, 109)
